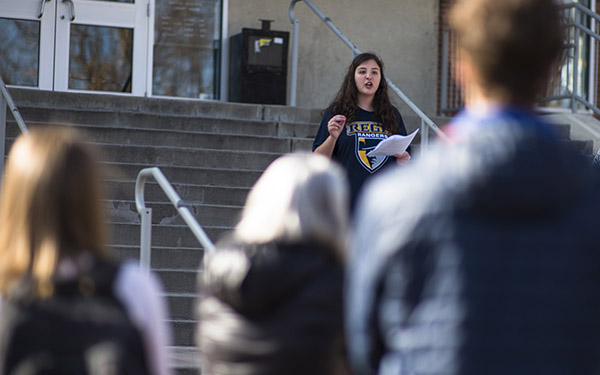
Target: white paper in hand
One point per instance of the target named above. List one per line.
(396, 144)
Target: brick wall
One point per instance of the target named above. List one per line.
(445, 6)
(597, 66)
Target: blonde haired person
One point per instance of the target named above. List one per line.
(272, 299)
(53, 257)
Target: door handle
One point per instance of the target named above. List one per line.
(42, 6)
(71, 8)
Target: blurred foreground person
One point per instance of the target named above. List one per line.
(64, 307)
(485, 261)
(272, 301)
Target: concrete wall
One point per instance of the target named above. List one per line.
(402, 32)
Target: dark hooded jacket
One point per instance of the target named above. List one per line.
(271, 309)
(488, 262)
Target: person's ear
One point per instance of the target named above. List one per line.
(463, 69)
(464, 76)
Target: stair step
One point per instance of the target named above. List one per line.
(124, 211)
(178, 281)
(184, 332)
(186, 359)
(128, 234)
(125, 120)
(163, 257)
(208, 194)
(231, 177)
(185, 139)
(182, 306)
(162, 106)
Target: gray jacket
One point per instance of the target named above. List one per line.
(481, 258)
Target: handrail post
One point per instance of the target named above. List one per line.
(145, 222)
(2, 135)
(424, 136)
(13, 107)
(575, 66)
(146, 214)
(294, 69)
(145, 238)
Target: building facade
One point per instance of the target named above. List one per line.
(181, 48)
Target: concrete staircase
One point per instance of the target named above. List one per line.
(211, 152)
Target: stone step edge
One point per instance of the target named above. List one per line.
(174, 148)
(174, 270)
(177, 115)
(184, 357)
(185, 203)
(160, 166)
(28, 97)
(181, 184)
(166, 248)
(209, 227)
(175, 131)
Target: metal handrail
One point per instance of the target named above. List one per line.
(13, 108)
(7, 100)
(573, 96)
(146, 214)
(425, 120)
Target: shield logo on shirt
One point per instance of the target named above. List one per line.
(371, 163)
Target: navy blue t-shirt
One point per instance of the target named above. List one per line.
(355, 140)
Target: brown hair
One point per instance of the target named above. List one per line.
(346, 100)
(511, 44)
(50, 206)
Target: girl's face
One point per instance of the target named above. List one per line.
(367, 77)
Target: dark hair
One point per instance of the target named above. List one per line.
(512, 44)
(346, 100)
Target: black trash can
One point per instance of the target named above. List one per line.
(258, 66)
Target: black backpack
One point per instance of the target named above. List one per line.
(82, 329)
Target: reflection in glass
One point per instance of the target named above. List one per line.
(100, 58)
(119, 1)
(20, 46)
(187, 48)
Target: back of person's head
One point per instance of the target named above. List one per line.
(50, 206)
(299, 197)
(511, 44)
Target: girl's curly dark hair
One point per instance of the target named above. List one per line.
(346, 100)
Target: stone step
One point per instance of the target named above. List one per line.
(182, 305)
(183, 332)
(185, 359)
(185, 139)
(186, 157)
(184, 258)
(163, 213)
(230, 177)
(178, 281)
(124, 120)
(207, 194)
(178, 236)
(188, 107)
(586, 147)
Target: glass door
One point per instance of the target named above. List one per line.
(101, 46)
(75, 44)
(27, 42)
(139, 47)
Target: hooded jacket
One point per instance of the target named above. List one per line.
(271, 309)
(486, 262)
